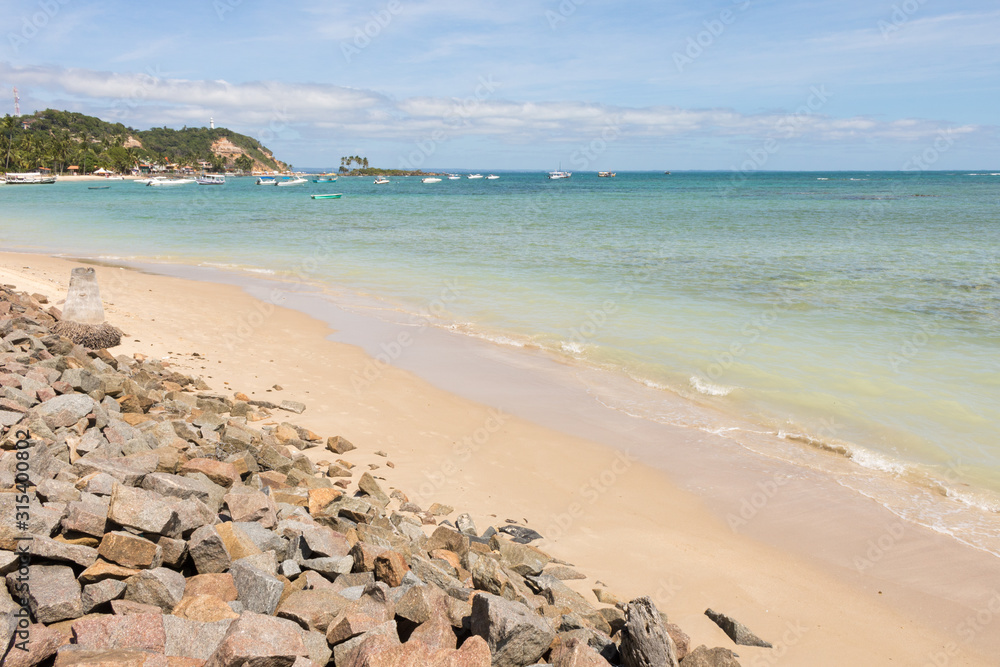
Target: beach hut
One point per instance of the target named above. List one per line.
(73, 168)
(101, 171)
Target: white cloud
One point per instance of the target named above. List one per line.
(135, 98)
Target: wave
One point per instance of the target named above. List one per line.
(703, 386)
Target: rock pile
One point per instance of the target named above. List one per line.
(145, 520)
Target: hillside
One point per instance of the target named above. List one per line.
(58, 139)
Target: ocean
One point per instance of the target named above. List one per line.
(840, 319)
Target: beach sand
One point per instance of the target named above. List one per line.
(790, 574)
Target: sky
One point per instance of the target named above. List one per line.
(487, 85)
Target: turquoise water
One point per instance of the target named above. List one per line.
(858, 313)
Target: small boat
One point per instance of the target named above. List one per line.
(160, 182)
(143, 181)
(211, 179)
(430, 179)
(474, 176)
(555, 175)
(298, 180)
(334, 196)
(98, 187)
(28, 178)
(454, 177)
(325, 179)
(606, 174)
(266, 180)
(667, 173)
(492, 177)
(381, 180)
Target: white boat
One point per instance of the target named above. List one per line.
(298, 180)
(474, 176)
(430, 179)
(554, 175)
(28, 178)
(492, 177)
(606, 174)
(266, 180)
(211, 179)
(144, 181)
(381, 180)
(454, 177)
(160, 182)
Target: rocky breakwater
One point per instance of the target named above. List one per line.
(145, 520)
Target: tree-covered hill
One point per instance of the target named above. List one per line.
(58, 139)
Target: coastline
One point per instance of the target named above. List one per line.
(687, 554)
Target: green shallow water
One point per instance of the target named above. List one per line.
(859, 312)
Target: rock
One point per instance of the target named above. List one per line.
(54, 594)
(192, 639)
(682, 643)
(259, 591)
(563, 573)
(739, 633)
(293, 406)
(90, 518)
(312, 609)
(644, 640)
(446, 538)
(128, 607)
(391, 567)
(95, 595)
(576, 653)
(238, 543)
(161, 587)
(514, 634)
(320, 499)
(252, 507)
(142, 510)
(223, 474)
(130, 551)
(339, 445)
(46, 547)
(203, 608)
(259, 641)
(72, 656)
(42, 645)
(521, 558)
(65, 410)
(706, 657)
(344, 653)
(606, 597)
(520, 534)
(383, 652)
(136, 631)
(437, 633)
(208, 551)
(102, 570)
(219, 585)
(370, 487)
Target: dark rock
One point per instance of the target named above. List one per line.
(644, 640)
(739, 633)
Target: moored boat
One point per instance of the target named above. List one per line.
(211, 179)
(492, 177)
(325, 179)
(331, 196)
(28, 178)
(606, 174)
(160, 182)
(555, 175)
(381, 180)
(266, 180)
(474, 176)
(430, 179)
(298, 180)
(454, 177)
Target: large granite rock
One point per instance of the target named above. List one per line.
(515, 635)
(644, 640)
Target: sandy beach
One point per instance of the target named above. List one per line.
(827, 577)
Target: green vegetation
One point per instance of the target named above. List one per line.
(364, 170)
(58, 139)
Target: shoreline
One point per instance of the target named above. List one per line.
(688, 550)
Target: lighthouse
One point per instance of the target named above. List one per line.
(211, 122)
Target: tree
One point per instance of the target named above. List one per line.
(244, 163)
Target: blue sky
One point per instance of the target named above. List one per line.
(722, 84)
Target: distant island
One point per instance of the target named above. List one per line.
(362, 169)
(69, 142)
